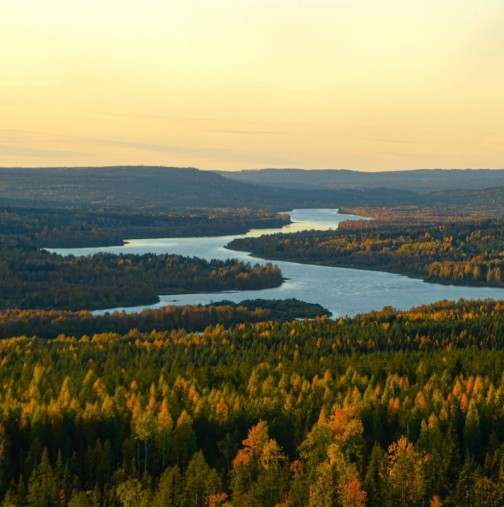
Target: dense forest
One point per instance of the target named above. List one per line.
(137, 188)
(239, 405)
(52, 323)
(385, 409)
(469, 252)
(70, 228)
(416, 180)
(34, 278)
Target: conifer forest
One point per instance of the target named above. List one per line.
(257, 403)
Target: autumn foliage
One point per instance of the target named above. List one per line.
(389, 408)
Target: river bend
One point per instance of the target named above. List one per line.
(341, 290)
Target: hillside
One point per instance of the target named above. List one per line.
(476, 199)
(163, 188)
(433, 208)
(419, 180)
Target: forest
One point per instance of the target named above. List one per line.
(74, 228)
(422, 181)
(31, 278)
(386, 409)
(262, 403)
(463, 252)
(53, 323)
(161, 189)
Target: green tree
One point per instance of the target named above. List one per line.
(42, 487)
(336, 482)
(184, 439)
(373, 482)
(405, 477)
(259, 476)
(201, 481)
(170, 489)
(131, 494)
(472, 431)
(144, 427)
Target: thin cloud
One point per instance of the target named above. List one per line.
(404, 141)
(22, 151)
(244, 132)
(398, 154)
(158, 148)
(192, 152)
(20, 135)
(28, 144)
(157, 117)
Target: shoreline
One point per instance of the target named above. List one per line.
(411, 275)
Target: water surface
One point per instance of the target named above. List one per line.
(343, 291)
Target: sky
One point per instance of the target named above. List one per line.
(234, 84)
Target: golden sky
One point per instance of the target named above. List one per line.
(231, 84)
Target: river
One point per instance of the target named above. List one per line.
(343, 291)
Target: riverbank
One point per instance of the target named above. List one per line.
(460, 253)
(342, 291)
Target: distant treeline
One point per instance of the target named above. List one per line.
(416, 180)
(73, 228)
(52, 323)
(161, 189)
(33, 278)
(469, 252)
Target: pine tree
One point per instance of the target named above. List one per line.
(132, 494)
(374, 480)
(201, 482)
(42, 487)
(472, 431)
(170, 489)
(184, 440)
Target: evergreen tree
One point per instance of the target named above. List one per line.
(201, 482)
(472, 431)
(42, 486)
(374, 483)
(170, 489)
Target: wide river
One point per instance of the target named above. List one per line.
(343, 291)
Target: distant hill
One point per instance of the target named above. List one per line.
(420, 180)
(163, 188)
(432, 208)
(156, 189)
(478, 199)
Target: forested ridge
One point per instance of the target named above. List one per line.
(469, 252)
(416, 180)
(387, 408)
(73, 228)
(34, 278)
(135, 188)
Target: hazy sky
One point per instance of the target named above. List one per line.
(230, 84)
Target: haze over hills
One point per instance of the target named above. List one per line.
(151, 188)
(417, 180)
(161, 188)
